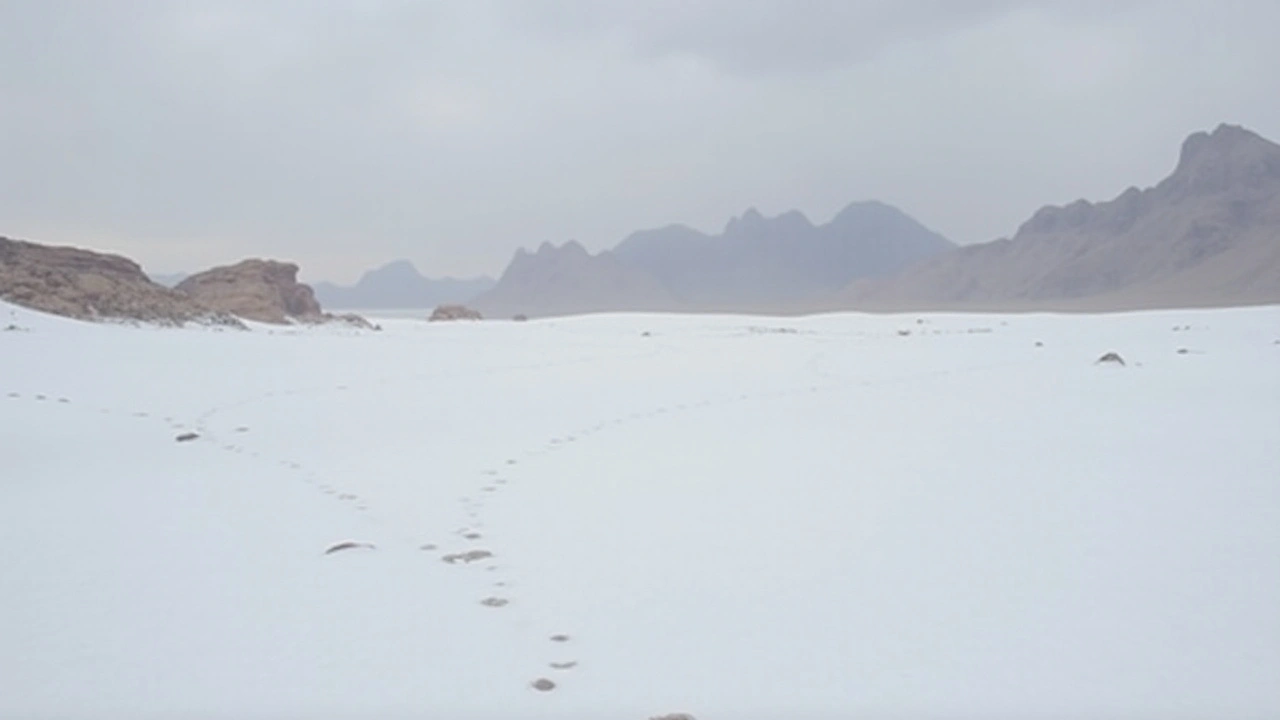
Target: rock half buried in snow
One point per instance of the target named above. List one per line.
(348, 545)
(543, 685)
(467, 557)
(495, 602)
(187, 437)
(454, 312)
(1112, 358)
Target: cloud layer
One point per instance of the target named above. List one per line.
(346, 134)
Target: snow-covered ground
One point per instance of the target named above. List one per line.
(838, 516)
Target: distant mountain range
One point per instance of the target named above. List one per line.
(755, 264)
(1209, 234)
(399, 285)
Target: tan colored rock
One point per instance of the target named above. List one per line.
(262, 290)
(455, 312)
(87, 285)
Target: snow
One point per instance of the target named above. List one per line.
(845, 515)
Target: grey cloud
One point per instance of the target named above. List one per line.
(345, 134)
(776, 36)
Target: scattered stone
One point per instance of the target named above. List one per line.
(495, 602)
(564, 665)
(187, 437)
(242, 429)
(428, 547)
(473, 536)
(455, 312)
(904, 333)
(646, 333)
(347, 545)
(40, 397)
(1111, 357)
(63, 400)
(559, 638)
(467, 557)
(543, 685)
(1039, 344)
(1183, 351)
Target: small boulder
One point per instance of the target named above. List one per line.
(455, 312)
(347, 545)
(187, 437)
(1111, 358)
(543, 685)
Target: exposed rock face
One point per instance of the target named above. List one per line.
(262, 290)
(1209, 234)
(92, 286)
(455, 312)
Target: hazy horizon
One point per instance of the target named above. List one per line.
(344, 136)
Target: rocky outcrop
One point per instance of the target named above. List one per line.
(87, 285)
(263, 290)
(455, 312)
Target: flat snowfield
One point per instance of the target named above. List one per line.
(842, 516)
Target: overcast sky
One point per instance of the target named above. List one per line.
(342, 135)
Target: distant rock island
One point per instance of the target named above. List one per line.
(399, 285)
(756, 264)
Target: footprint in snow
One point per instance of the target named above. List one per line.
(348, 545)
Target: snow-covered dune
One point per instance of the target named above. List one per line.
(837, 516)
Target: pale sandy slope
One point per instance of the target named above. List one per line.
(728, 516)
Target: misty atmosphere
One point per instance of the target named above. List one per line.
(657, 360)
